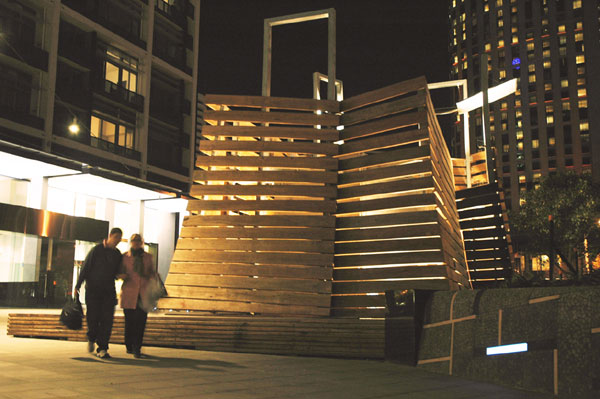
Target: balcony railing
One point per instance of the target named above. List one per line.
(115, 149)
(121, 95)
(172, 12)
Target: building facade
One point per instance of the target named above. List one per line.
(97, 119)
(552, 48)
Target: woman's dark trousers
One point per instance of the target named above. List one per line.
(135, 324)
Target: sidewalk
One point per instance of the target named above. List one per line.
(39, 368)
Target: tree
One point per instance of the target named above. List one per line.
(573, 201)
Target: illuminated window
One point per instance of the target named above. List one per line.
(506, 148)
(578, 36)
(547, 86)
(488, 47)
(561, 51)
(499, 3)
(564, 83)
(521, 179)
(551, 141)
(532, 78)
(561, 28)
(546, 53)
(549, 119)
(502, 74)
(547, 64)
(581, 92)
(500, 43)
(515, 39)
(580, 59)
(530, 46)
(520, 145)
(531, 67)
(519, 134)
(546, 44)
(118, 133)
(576, 4)
(120, 69)
(582, 103)
(584, 126)
(566, 106)
(579, 25)
(535, 143)
(580, 81)
(562, 40)
(500, 22)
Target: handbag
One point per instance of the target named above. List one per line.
(154, 291)
(71, 315)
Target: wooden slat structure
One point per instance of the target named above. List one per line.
(484, 223)
(308, 336)
(260, 238)
(397, 224)
(478, 171)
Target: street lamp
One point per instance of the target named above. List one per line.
(74, 127)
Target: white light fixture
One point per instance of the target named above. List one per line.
(503, 349)
(494, 94)
(17, 167)
(74, 127)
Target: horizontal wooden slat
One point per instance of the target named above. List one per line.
(388, 245)
(388, 232)
(307, 259)
(406, 153)
(389, 259)
(260, 220)
(387, 219)
(388, 272)
(229, 306)
(266, 205)
(240, 232)
(300, 176)
(357, 301)
(247, 269)
(289, 118)
(269, 146)
(383, 109)
(258, 245)
(382, 286)
(305, 104)
(403, 201)
(306, 133)
(311, 162)
(261, 296)
(416, 168)
(396, 186)
(415, 120)
(198, 190)
(384, 93)
(273, 284)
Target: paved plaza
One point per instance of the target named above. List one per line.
(39, 369)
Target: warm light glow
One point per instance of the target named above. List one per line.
(74, 127)
(503, 349)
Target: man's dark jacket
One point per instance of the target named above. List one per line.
(100, 269)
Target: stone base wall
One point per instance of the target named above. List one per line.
(561, 326)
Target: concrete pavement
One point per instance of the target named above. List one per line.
(38, 369)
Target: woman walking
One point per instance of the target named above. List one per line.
(138, 269)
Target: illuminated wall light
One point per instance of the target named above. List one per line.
(504, 349)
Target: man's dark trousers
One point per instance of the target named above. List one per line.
(100, 314)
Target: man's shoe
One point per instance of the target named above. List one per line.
(138, 354)
(90, 346)
(102, 354)
(129, 350)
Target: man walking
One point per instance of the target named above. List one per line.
(99, 272)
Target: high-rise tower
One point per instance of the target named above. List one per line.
(552, 47)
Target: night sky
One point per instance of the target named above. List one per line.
(379, 42)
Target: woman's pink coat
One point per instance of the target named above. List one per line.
(134, 285)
